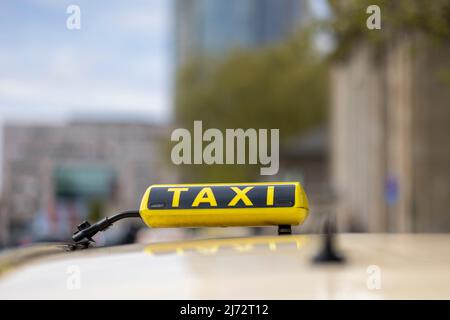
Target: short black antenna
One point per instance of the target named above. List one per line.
(328, 253)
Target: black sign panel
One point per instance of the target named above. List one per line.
(207, 197)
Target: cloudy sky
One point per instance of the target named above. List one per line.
(118, 63)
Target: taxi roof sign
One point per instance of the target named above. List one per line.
(281, 204)
(224, 205)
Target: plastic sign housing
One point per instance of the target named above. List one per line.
(224, 205)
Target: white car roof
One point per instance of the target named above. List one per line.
(398, 266)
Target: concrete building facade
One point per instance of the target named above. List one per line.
(390, 124)
(50, 169)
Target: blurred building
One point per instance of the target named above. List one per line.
(207, 27)
(390, 125)
(56, 175)
(305, 158)
(3, 224)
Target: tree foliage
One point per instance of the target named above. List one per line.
(279, 87)
(399, 17)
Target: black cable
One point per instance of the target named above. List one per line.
(86, 231)
(125, 214)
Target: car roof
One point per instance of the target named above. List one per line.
(396, 266)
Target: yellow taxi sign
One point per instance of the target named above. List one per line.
(224, 204)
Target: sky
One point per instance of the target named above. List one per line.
(117, 66)
(119, 62)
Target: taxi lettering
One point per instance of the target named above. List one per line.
(206, 195)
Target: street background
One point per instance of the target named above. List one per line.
(87, 113)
